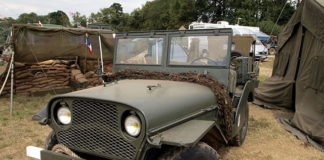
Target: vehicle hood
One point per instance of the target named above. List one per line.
(162, 105)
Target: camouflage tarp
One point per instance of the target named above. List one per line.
(36, 44)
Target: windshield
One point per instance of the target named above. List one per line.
(258, 42)
(139, 51)
(199, 50)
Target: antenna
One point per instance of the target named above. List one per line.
(104, 77)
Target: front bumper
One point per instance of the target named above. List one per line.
(42, 154)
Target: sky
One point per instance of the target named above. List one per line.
(13, 8)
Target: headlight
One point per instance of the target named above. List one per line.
(64, 115)
(132, 125)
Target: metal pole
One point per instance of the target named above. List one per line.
(102, 65)
(12, 79)
(12, 84)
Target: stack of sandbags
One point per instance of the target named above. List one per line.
(44, 76)
(92, 65)
(108, 68)
(93, 78)
(78, 76)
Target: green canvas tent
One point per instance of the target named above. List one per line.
(297, 81)
(33, 43)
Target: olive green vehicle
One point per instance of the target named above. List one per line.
(154, 119)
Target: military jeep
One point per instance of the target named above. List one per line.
(173, 95)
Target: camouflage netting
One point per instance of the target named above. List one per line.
(223, 99)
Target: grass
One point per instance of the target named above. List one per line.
(258, 124)
(18, 131)
(265, 69)
(263, 77)
(267, 140)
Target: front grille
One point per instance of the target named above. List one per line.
(95, 130)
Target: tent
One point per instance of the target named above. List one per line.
(297, 81)
(32, 43)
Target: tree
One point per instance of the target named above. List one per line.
(32, 17)
(5, 25)
(136, 19)
(79, 20)
(183, 12)
(113, 15)
(214, 10)
(59, 18)
(164, 14)
(270, 27)
(95, 17)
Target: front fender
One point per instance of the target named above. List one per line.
(242, 107)
(185, 134)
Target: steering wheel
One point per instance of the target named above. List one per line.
(210, 61)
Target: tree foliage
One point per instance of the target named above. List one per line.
(172, 14)
(79, 20)
(28, 18)
(59, 18)
(5, 25)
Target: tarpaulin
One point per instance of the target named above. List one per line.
(297, 80)
(35, 44)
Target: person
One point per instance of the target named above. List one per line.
(204, 53)
(203, 58)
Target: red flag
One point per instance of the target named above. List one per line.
(89, 47)
(40, 24)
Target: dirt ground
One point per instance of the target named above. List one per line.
(265, 140)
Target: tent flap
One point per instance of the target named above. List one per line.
(275, 93)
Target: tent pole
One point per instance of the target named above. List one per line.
(12, 81)
(7, 76)
(102, 65)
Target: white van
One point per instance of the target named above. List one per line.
(261, 51)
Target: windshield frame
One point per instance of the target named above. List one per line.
(164, 46)
(221, 73)
(199, 34)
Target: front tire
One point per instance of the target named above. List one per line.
(239, 139)
(50, 141)
(200, 151)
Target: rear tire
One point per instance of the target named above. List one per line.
(235, 54)
(200, 151)
(272, 51)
